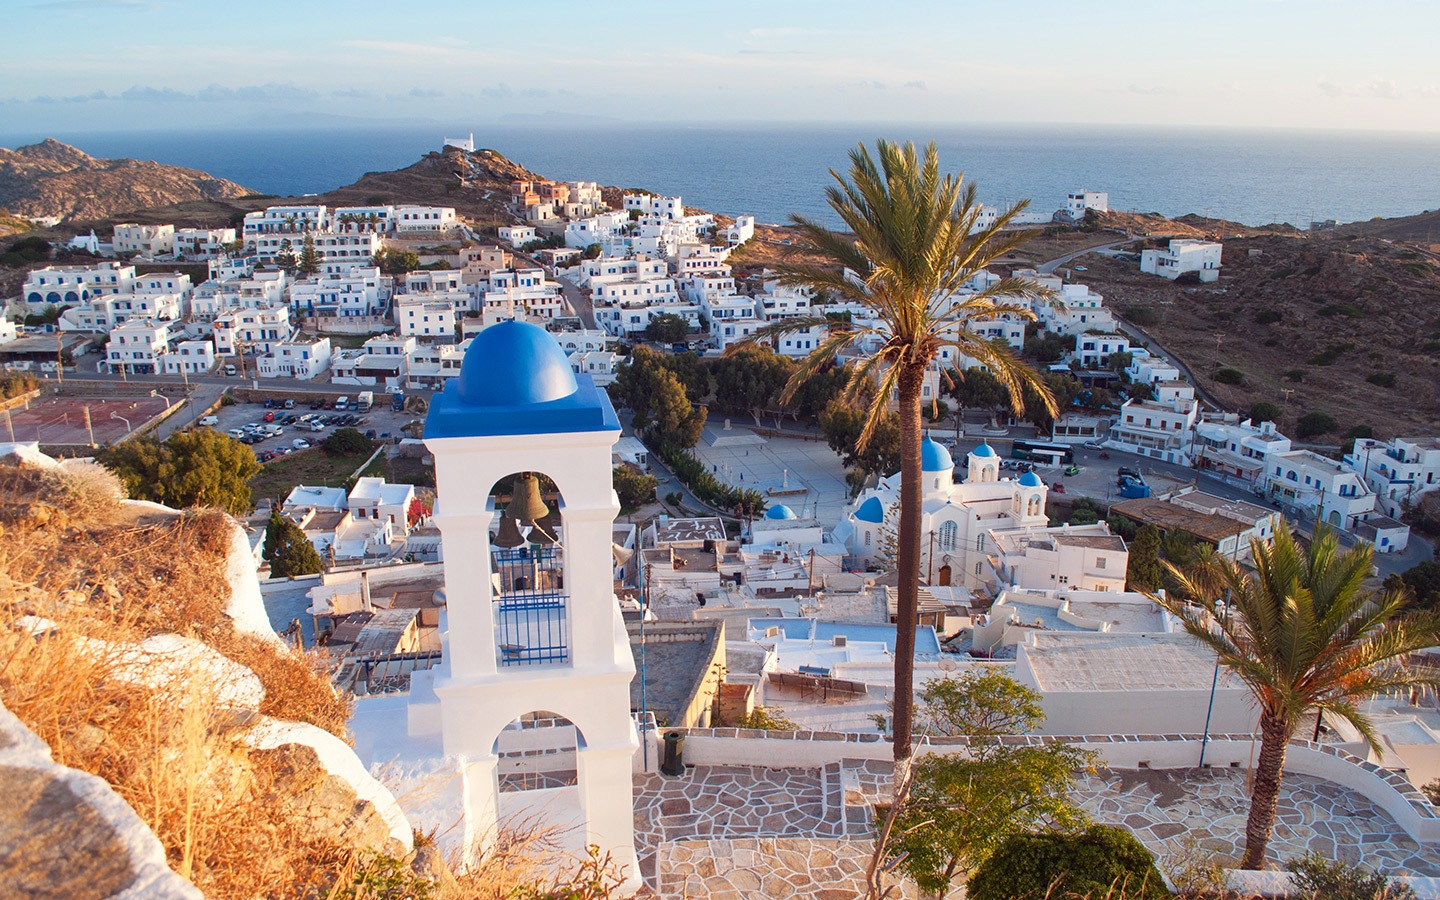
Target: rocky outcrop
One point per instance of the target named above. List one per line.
(65, 834)
(55, 179)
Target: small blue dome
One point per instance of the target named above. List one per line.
(934, 457)
(871, 511)
(1030, 479)
(983, 450)
(514, 364)
(780, 512)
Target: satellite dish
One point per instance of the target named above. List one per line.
(947, 665)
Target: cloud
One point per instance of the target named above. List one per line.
(425, 93)
(155, 95)
(1329, 88)
(352, 94)
(1148, 91)
(872, 85)
(501, 91)
(262, 93)
(1384, 89)
(916, 85)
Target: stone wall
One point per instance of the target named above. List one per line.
(738, 868)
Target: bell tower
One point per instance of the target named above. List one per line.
(533, 634)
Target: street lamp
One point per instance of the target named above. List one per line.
(128, 427)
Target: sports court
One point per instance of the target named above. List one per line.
(56, 421)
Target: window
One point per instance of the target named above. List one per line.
(867, 537)
(1064, 579)
(1099, 562)
(948, 536)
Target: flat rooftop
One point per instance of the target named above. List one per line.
(1169, 516)
(1130, 662)
(685, 531)
(1235, 509)
(677, 660)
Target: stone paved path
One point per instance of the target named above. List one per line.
(1166, 809)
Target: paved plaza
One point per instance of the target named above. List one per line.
(791, 821)
(775, 465)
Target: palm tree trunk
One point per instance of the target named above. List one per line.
(1274, 738)
(908, 564)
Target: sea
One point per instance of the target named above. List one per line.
(1254, 177)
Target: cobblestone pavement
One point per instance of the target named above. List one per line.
(1166, 809)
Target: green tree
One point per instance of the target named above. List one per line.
(843, 422)
(285, 257)
(1313, 424)
(201, 467)
(392, 261)
(288, 549)
(593, 251)
(634, 489)
(1422, 581)
(1101, 861)
(1304, 634)
(961, 808)
(1265, 411)
(1144, 571)
(911, 241)
(346, 442)
(667, 328)
(750, 381)
(673, 420)
(309, 258)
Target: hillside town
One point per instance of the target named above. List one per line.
(561, 580)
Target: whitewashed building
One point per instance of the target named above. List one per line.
(193, 357)
(740, 232)
(253, 329)
(300, 358)
(1400, 471)
(1237, 448)
(357, 292)
(516, 236)
(1320, 487)
(421, 220)
(1183, 255)
(1161, 428)
(1077, 203)
(144, 240)
(1095, 349)
(958, 515)
(61, 285)
(1082, 557)
(136, 347)
(421, 317)
(202, 243)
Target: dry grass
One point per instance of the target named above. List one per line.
(85, 569)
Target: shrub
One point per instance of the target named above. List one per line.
(1188, 278)
(1359, 431)
(1268, 316)
(346, 442)
(1314, 423)
(633, 488)
(1323, 879)
(1329, 354)
(1230, 376)
(1294, 375)
(13, 383)
(1140, 315)
(1096, 861)
(1349, 310)
(1383, 379)
(1265, 411)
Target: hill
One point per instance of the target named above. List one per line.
(1348, 327)
(1422, 228)
(55, 179)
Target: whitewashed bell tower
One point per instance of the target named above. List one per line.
(533, 625)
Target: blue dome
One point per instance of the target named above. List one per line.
(983, 450)
(1030, 479)
(780, 512)
(934, 457)
(871, 511)
(514, 364)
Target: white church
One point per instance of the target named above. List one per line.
(954, 518)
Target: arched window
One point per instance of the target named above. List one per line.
(948, 536)
(867, 537)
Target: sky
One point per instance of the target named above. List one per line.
(106, 65)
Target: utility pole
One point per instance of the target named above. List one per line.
(9, 425)
(810, 578)
(88, 428)
(59, 356)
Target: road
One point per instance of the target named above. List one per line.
(1046, 268)
(579, 301)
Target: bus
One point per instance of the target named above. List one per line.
(1042, 452)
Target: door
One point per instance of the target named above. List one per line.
(944, 575)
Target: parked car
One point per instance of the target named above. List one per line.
(370, 433)
(300, 444)
(318, 404)
(269, 404)
(1058, 487)
(269, 417)
(236, 433)
(289, 404)
(209, 420)
(1072, 471)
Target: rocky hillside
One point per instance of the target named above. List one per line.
(55, 179)
(149, 717)
(1345, 326)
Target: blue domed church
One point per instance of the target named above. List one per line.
(954, 518)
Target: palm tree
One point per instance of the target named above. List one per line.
(1304, 634)
(908, 255)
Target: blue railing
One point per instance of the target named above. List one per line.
(532, 624)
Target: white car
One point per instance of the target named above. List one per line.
(209, 420)
(300, 444)
(236, 433)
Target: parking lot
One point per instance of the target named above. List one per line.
(249, 422)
